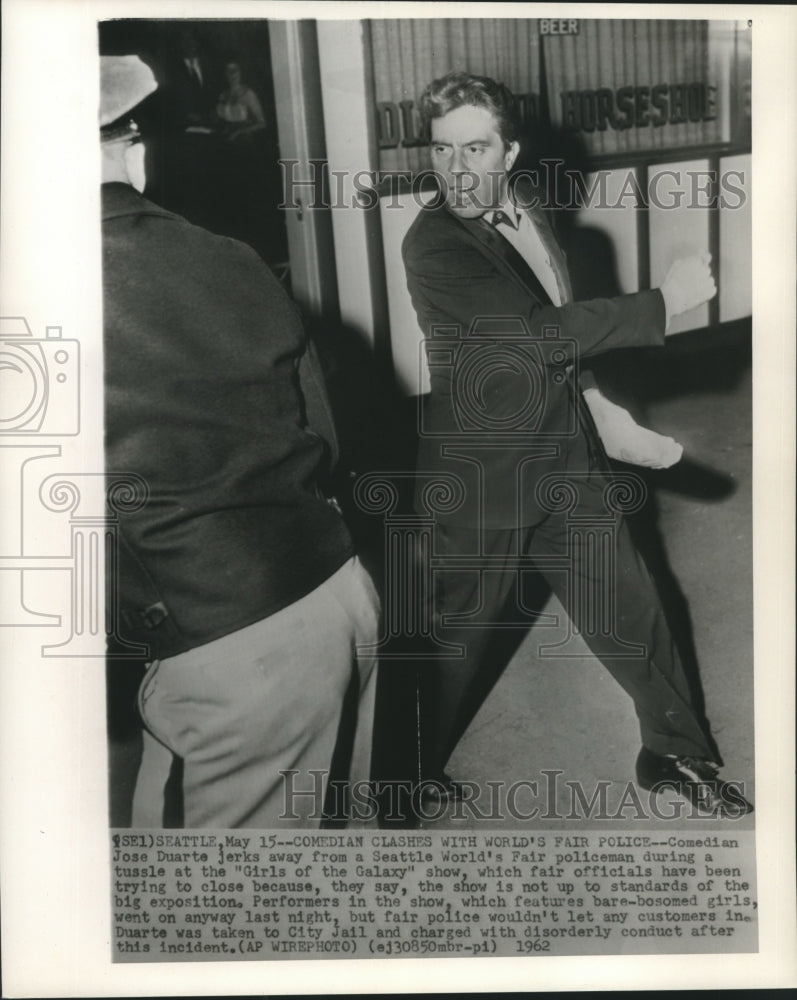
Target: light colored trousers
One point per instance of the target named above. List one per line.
(265, 699)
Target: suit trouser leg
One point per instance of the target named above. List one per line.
(265, 699)
(445, 684)
(655, 680)
(619, 581)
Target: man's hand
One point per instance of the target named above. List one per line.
(623, 438)
(689, 283)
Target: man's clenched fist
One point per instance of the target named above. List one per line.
(689, 283)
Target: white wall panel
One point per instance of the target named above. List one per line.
(613, 217)
(679, 227)
(406, 338)
(736, 256)
(348, 125)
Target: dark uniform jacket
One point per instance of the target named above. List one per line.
(202, 352)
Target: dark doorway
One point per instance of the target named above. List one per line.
(213, 150)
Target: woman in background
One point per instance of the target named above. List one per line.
(238, 106)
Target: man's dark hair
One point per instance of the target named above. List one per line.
(457, 90)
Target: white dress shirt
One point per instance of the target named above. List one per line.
(522, 234)
(194, 69)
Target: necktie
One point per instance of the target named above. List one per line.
(501, 218)
(194, 71)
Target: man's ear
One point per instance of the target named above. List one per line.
(511, 155)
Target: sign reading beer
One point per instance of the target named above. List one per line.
(558, 26)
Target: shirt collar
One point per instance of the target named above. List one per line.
(509, 209)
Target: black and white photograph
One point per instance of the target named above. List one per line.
(399, 508)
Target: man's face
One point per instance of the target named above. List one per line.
(470, 154)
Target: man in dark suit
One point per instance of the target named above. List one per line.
(234, 570)
(191, 81)
(507, 418)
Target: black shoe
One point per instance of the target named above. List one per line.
(693, 778)
(439, 790)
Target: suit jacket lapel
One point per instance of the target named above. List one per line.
(557, 257)
(502, 253)
(507, 257)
